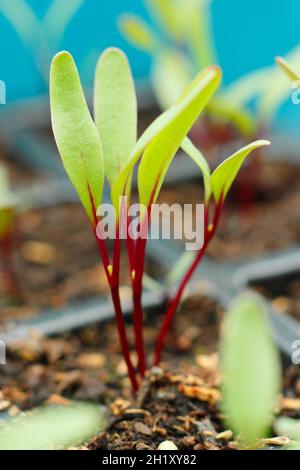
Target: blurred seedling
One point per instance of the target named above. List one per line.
(109, 148)
(182, 44)
(40, 36)
(8, 209)
(185, 44)
(53, 427)
(251, 371)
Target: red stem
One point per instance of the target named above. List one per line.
(172, 307)
(137, 287)
(113, 280)
(123, 337)
(138, 332)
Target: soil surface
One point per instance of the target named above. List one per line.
(284, 293)
(179, 402)
(270, 223)
(56, 261)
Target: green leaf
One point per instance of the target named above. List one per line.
(248, 87)
(169, 15)
(53, 427)
(75, 133)
(277, 90)
(171, 73)
(224, 176)
(115, 107)
(190, 149)
(275, 95)
(137, 32)
(287, 69)
(250, 367)
(22, 18)
(160, 152)
(162, 132)
(198, 31)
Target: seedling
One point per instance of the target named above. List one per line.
(8, 206)
(216, 188)
(40, 37)
(250, 370)
(109, 148)
(185, 46)
(266, 88)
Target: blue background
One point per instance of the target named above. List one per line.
(248, 35)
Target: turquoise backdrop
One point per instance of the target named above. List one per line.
(248, 35)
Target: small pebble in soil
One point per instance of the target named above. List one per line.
(167, 445)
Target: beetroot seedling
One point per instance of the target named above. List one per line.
(251, 370)
(90, 151)
(40, 36)
(109, 148)
(216, 188)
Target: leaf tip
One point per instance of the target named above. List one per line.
(111, 52)
(62, 56)
(216, 70)
(263, 143)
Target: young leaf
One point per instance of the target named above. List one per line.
(161, 151)
(161, 134)
(251, 371)
(170, 75)
(248, 87)
(287, 69)
(167, 13)
(189, 148)
(75, 133)
(53, 427)
(198, 30)
(277, 90)
(22, 18)
(115, 110)
(275, 95)
(223, 177)
(137, 32)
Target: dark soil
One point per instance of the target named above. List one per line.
(270, 224)
(181, 404)
(284, 292)
(56, 261)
